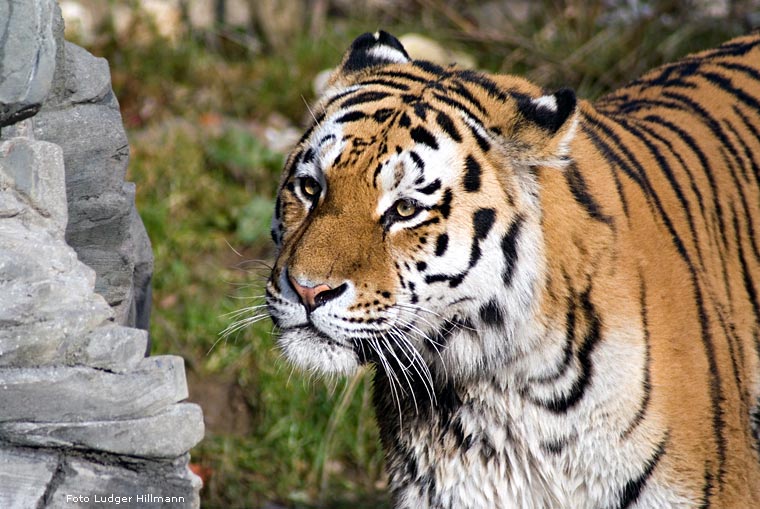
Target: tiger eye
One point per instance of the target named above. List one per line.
(310, 187)
(405, 208)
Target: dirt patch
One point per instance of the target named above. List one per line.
(226, 409)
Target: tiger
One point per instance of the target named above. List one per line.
(558, 300)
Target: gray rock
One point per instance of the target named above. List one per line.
(24, 476)
(138, 244)
(27, 57)
(138, 484)
(83, 414)
(104, 227)
(166, 435)
(80, 394)
(95, 147)
(47, 300)
(88, 78)
(112, 347)
(35, 169)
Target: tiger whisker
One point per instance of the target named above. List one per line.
(404, 372)
(390, 375)
(417, 362)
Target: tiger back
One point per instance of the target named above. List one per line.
(560, 299)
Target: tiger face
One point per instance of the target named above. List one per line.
(406, 210)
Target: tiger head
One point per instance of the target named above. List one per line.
(407, 222)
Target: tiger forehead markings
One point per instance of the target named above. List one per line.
(560, 299)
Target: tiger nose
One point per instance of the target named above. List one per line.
(315, 296)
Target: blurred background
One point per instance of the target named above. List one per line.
(213, 94)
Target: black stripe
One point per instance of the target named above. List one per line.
(509, 249)
(491, 314)
(483, 143)
(351, 116)
(430, 67)
(707, 487)
(431, 188)
(471, 178)
(716, 393)
(749, 71)
(364, 97)
(417, 160)
(421, 135)
(484, 82)
(733, 49)
(448, 126)
(385, 83)
(402, 75)
(482, 222)
(745, 149)
(420, 109)
(749, 284)
(755, 133)
(611, 158)
(646, 383)
(457, 105)
(444, 207)
(581, 195)
(427, 222)
(337, 97)
(553, 447)
(441, 244)
(383, 114)
(567, 401)
(670, 75)
(308, 156)
(633, 488)
(727, 86)
(567, 349)
(459, 89)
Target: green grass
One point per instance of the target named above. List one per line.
(206, 185)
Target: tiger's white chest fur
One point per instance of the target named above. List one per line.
(497, 449)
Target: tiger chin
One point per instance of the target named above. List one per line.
(559, 298)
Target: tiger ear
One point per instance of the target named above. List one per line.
(373, 50)
(368, 51)
(543, 128)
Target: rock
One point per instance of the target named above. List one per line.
(82, 116)
(149, 484)
(27, 57)
(24, 476)
(168, 434)
(80, 394)
(112, 347)
(47, 300)
(82, 412)
(35, 170)
(88, 78)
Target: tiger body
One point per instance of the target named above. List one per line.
(560, 298)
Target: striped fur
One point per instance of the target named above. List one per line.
(560, 298)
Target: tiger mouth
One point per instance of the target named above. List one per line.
(312, 331)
